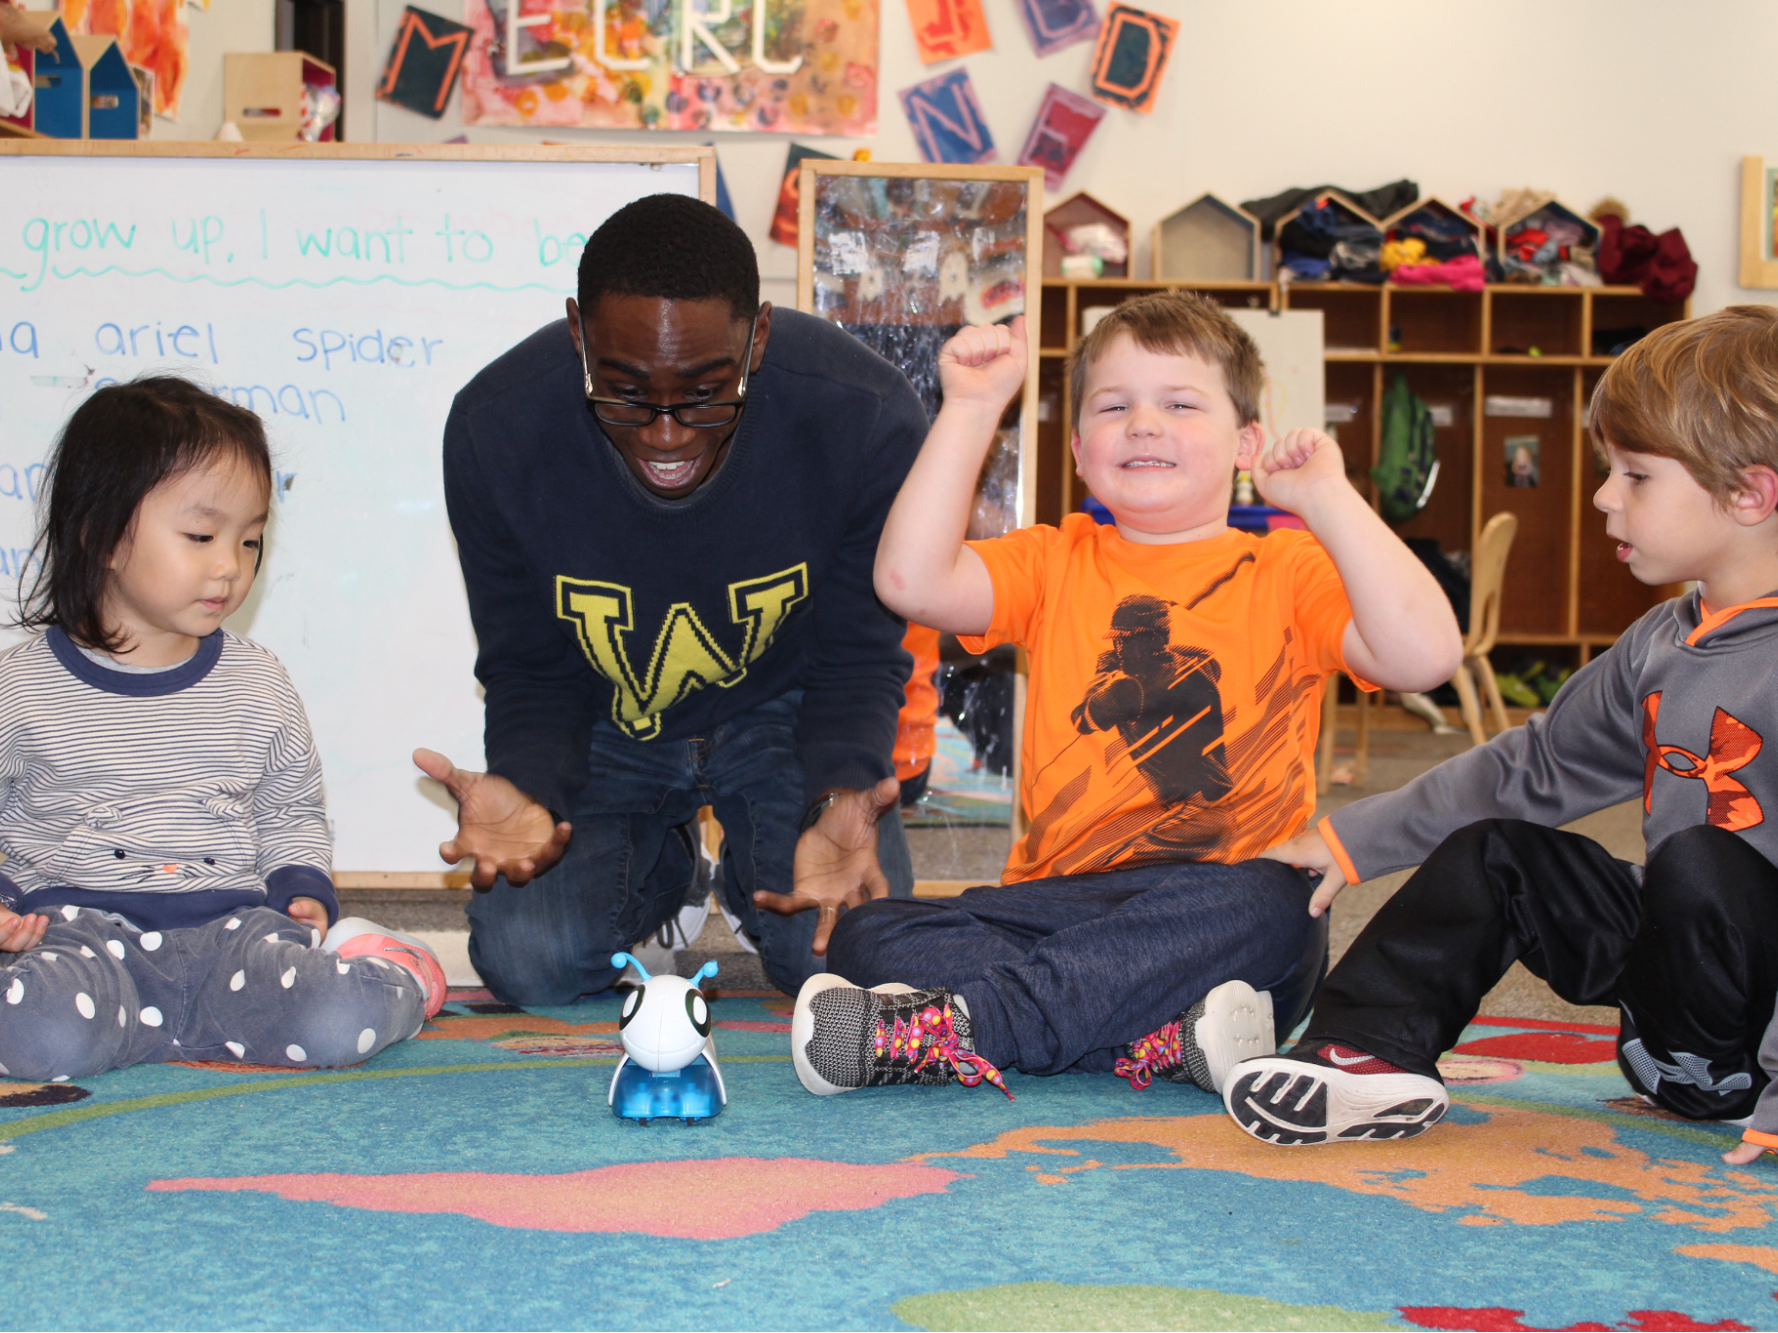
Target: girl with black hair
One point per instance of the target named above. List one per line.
(167, 880)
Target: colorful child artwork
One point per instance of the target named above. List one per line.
(1054, 24)
(947, 119)
(785, 66)
(151, 33)
(423, 62)
(1131, 57)
(946, 29)
(784, 218)
(1065, 121)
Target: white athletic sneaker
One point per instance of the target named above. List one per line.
(683, 930)
(1230, 1024)
(742, 938)
(1329, 1094)
(844, 1037)
(356, 937)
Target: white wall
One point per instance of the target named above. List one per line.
(1652, 103)
(228, 25)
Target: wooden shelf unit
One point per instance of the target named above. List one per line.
(1457, 350)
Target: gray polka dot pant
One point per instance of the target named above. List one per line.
(253, 987)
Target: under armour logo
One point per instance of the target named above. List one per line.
(1688, 1069)
(1733, 746)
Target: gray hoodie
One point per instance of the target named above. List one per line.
(1676, 712)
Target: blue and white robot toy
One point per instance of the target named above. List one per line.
(668, 1069)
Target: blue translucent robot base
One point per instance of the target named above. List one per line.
(692, 1093)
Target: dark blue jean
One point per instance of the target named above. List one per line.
(1061, 974)
(628, 868)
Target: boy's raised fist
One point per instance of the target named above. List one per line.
(984, 364)
(1287, 472)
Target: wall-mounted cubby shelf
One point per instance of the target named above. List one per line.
(1528, 349)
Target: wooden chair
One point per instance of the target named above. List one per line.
(1361, 755)
(1487, 573)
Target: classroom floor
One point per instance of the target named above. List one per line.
(474, 1178)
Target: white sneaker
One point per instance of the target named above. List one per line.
(1331, 1094)
(747, 942)
(742, 938)
(844, 1037)
(683, 930)
(356, 937)
(1203, 1045)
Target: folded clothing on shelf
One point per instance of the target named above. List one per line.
(1463, 274)
(1325, 243)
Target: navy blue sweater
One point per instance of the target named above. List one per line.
(593, 598)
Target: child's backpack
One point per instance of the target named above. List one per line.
(1407, 467)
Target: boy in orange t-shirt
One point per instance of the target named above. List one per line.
(1176, 669)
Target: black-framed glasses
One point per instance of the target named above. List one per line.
(699, 416)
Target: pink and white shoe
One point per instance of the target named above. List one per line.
(355, 937)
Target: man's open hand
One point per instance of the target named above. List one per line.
(505, 831)
(1309, 851)
(836, 860)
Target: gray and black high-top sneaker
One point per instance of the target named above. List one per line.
(1231, 1024)
(843, 1037)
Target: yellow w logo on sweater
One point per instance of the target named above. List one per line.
(686, 655)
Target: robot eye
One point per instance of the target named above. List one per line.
(699, 1012)
(632, 1002)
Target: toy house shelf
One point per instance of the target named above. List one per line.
(1078, 211)
(1209, 240)
(1540, 349)
(81, 90)
(262, 93)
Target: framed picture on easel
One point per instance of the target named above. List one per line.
(902, 255)
(1759, 223)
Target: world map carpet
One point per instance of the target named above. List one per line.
(473, 1178)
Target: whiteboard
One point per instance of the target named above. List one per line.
(345, 293)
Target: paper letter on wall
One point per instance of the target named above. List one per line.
(1132, 57)
(1065, 121)
(1054, 24)
(947, 119)
(946, 29)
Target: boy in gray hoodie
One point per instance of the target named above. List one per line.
(1678, 712)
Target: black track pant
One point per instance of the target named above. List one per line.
(1689, 954)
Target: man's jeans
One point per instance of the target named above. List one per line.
(1063, 973)
(628, 868)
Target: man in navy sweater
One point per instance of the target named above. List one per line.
(667, 509)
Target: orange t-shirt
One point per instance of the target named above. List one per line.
(915, 740)
(1174, 695)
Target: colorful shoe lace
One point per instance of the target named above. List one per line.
(1331, 1093)
(1231, 1024)
(843, 1037)
(355, 937)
